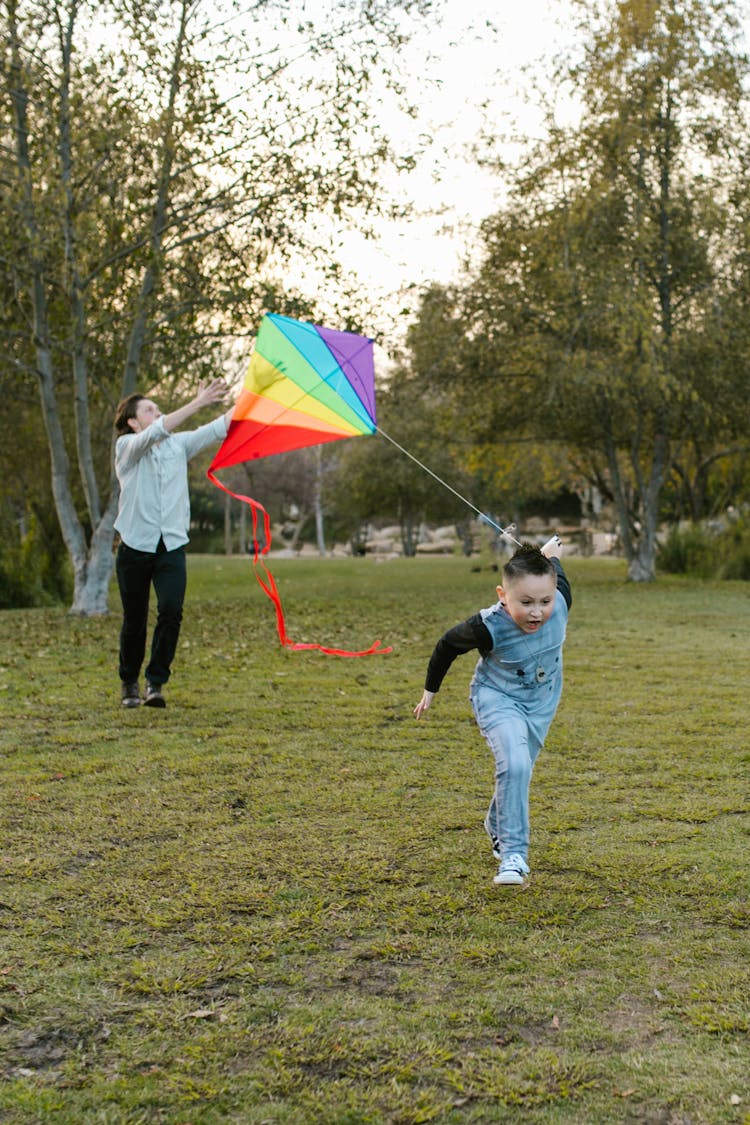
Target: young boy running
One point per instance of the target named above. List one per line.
(515, 689)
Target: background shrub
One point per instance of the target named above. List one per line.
(700, 551)
(691, 550)
(734, 547)
(33, 571)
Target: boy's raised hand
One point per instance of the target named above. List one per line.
(552, 548)
(424, 703)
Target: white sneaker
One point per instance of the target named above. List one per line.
(513, 871)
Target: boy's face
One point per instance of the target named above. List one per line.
(529, 600)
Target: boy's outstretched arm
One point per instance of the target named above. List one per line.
(424, 703)
(470, 634)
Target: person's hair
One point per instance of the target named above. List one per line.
(528, 559)
(125, 411)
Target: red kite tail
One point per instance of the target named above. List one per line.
(267, 582)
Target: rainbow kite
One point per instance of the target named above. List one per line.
(305, 385)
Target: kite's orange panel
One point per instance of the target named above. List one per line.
(262, 440)
(251, 407)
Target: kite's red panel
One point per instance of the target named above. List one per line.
(248, 440)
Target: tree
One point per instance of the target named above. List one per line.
(450, 360)
(595, 302)
(155, 189)
(394, 477)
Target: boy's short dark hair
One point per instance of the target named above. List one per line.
(528, 559)
(125, 411)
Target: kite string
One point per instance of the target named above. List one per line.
(503, 530)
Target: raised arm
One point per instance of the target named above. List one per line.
(208, 393)
(552, 548)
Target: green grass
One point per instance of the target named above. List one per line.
(273, 901)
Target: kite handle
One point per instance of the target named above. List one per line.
(267, 582)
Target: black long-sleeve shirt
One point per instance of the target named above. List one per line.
(474, 634)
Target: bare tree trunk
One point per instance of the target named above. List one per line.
(642, 566)
(152, 272)
(91, 596)
(298, 529)
(70, 525)
(318, 502)
(409, 533)
(73, 280)
(227, 524)
(638, 529)
(93, 562)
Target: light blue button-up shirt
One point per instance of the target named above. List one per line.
(152, 470)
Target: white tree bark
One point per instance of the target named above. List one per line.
(92, 561)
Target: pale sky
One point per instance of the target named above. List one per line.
(457, 67)
(464, 68)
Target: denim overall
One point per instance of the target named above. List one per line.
(514, 693)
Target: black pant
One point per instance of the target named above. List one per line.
(136, 570)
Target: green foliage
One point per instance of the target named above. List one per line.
(605, 312)
(529, 479)
(691, 550)
(32, 572)
(162, 169)
(272, 902)
(704, 552)
(734, 547)
(377, 480)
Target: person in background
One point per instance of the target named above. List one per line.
(153, 519)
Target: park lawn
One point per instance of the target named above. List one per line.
(273, 901)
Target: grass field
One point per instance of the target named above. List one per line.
(273, 901)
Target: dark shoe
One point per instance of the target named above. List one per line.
(154, 697)
(131, 695)
(497, 847)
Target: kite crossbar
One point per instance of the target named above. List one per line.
(506, 531)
